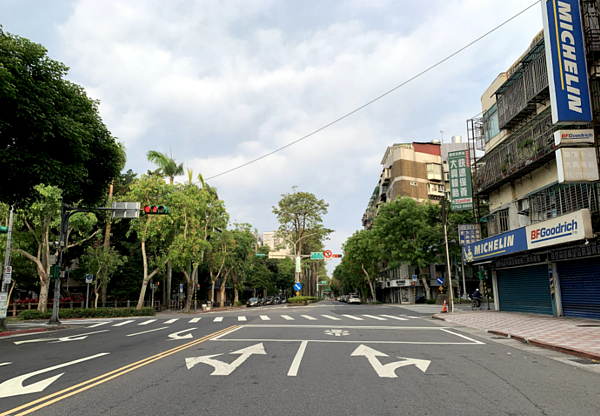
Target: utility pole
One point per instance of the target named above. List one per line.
(450, 288)
(5, 283)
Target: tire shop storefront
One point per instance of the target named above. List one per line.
(527, 272)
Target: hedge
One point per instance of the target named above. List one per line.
(301, 299)
(88, 313)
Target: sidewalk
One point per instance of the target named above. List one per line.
(575, 336)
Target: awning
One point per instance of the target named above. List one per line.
(541, 189)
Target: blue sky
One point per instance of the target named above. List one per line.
(221, 83)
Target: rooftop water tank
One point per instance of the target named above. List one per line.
(456, 139)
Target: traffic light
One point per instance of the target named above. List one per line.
(156, 210)
(3, 230)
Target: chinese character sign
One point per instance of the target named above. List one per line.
(461, 194)
(469, 233)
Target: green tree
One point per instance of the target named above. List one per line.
(50, 131)
(243, 253)
(362, 257)
(408, 231)
(154, 232)
(167, 166)
(102, 264)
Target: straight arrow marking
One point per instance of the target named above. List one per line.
(14, 386)
(387, 370)
(224, 369)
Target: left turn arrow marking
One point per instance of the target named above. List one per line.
(14, 386)
(176, 335)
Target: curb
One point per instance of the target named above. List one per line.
(536, 343)
(22, 331)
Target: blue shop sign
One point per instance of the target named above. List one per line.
(565, 59)
(499, 245)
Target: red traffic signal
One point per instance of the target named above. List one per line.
(154, 209)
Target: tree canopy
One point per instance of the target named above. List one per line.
(50, 131)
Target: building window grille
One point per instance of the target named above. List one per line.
(562, 199)
(498, 222)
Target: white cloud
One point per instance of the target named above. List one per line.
(225, 82)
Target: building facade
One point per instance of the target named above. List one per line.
(539, 173)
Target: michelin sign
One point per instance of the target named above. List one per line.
(565, 59)
(564, 229)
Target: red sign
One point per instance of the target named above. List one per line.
(336, 256)
(327, 253)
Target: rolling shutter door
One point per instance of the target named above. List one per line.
(580, 288)
(525, 289)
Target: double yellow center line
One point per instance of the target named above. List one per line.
(71, 391)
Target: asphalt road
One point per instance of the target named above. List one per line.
(324, 359)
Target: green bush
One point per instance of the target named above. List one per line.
(430, 301)
(302, 299)
(376, 303)
(88, 313)
(238, 303)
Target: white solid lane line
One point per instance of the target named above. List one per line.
(395, 317)
(147, 322)
(95, 325)
(145, 332)
(375, 317)
(123, 323)
(293, 372)
(218, 319)
(354, 317)
(310, 318)
(242, 318)
(265, 318)
(170, 321)
(331, 317)
(287, 317)
(1, 364)
(194, 320)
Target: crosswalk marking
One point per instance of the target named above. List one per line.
(147, 322)
(265, 318)
(395, 317)
(354, 317)
(194, 320)
(414, 317)
(170, 321)
(123, 323)
(310, 318)
(375, 317)
(331, 317)
(95, 325)
(287, 317)
(242, 318)
(218, 319)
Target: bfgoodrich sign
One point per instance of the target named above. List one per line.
(566, 228)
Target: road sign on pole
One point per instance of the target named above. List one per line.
(3, 304)
(414, 276)
(327, 254)
(297, 286)
(7, 275)
(298, 264)
(89, 278)
(316, 255)
(440, 280)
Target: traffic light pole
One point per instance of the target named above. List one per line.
(6, 263)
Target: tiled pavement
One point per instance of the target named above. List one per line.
(570, 335)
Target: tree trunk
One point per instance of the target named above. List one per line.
(212, 292)
(222, 290)
(425, 284)
(169, 276)
(190, 291)
(235, 296)
(43, 300)
(96, 298)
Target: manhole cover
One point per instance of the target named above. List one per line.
(585, 361)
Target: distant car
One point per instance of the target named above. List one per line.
(283, 300)
(269, 300)
(253, 302)
(353, 299)
(262, 301)
(277, 300)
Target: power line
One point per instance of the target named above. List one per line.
(379, 97)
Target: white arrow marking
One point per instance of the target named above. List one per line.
(1, 364)
(388, 370)
(62, 339)
(224, 369)
(14, 386)
(176, 335)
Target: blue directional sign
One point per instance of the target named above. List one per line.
(414, 276)
(440, 280)
(297, 286)
(89, 278)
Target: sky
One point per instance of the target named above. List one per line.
(219, 83)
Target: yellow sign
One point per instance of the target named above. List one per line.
(297, 293)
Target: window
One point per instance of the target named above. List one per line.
(434, 171)
(562, 199)
(490, 123)
(414, 184)
(498, 222)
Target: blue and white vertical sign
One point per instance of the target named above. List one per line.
(565, 59)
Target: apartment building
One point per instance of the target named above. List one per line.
(539, 174)
(278, 248)
(413, 170)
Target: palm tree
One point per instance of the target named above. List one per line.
(166, 164)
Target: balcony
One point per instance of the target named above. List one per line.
(524, 151)
(386, 175)
(527, 86)
(435, 191)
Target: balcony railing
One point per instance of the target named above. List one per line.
(524, 151)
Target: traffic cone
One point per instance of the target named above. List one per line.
(445, 309)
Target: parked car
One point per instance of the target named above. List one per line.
(269, 300)
(277, 300)
(283, 299)
(262, 301)
(353, 299)
(253, 302)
